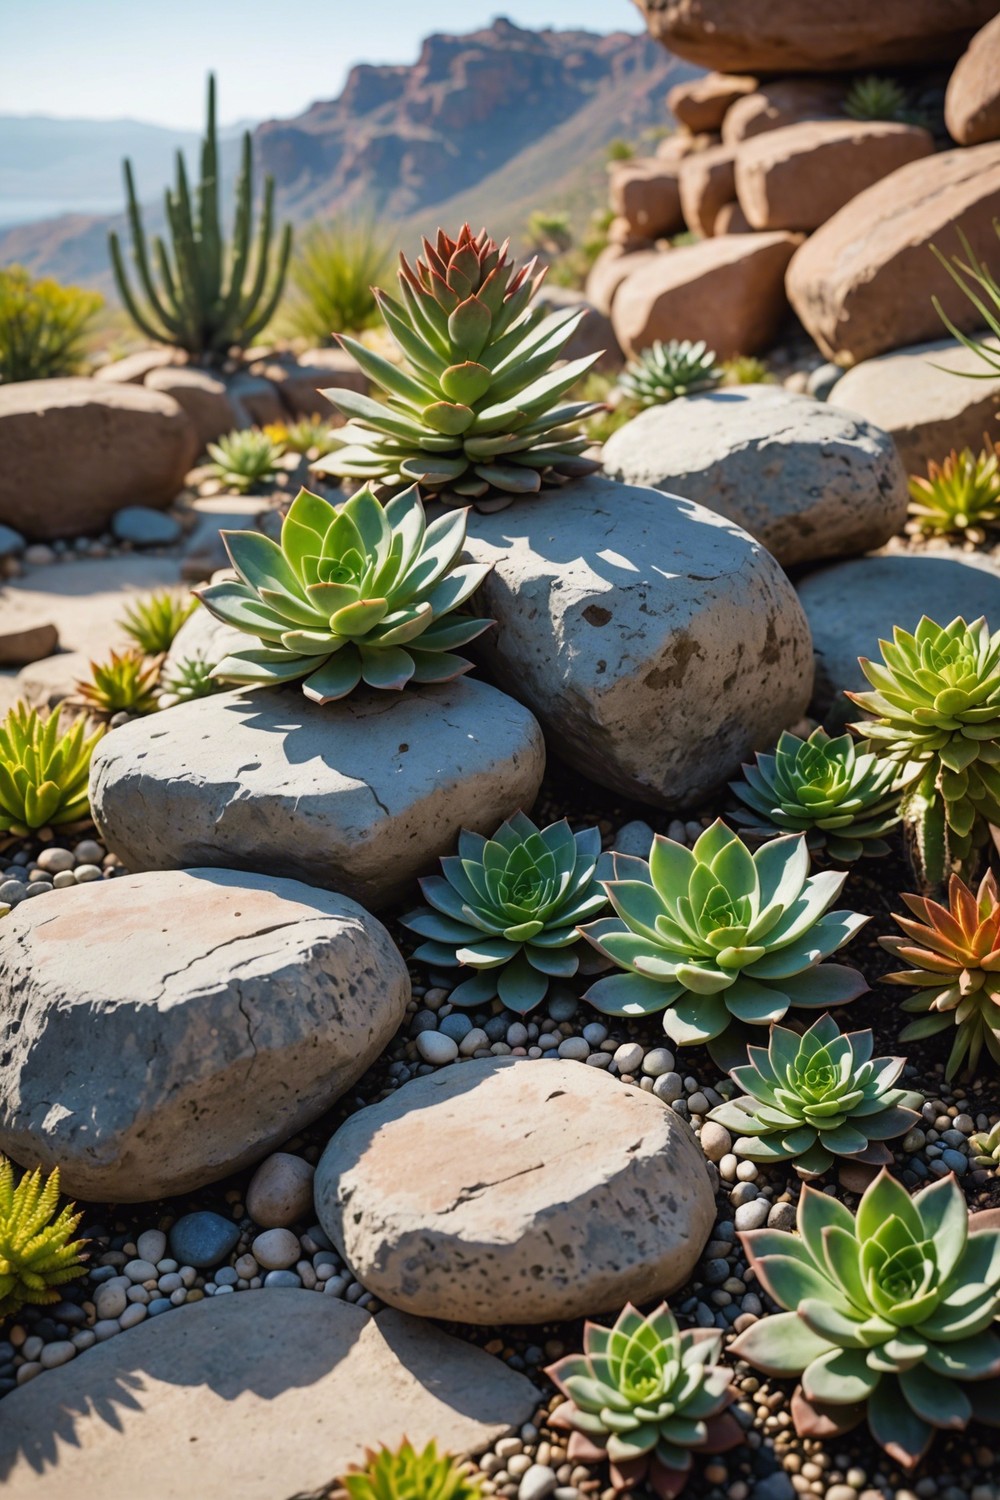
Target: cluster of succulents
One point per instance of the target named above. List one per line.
(746, 369)
(889, 1314)
(509, 908)
(37, 1250)
(191, 677)
(406, 1473)
(835, 791)
(154, 621)
(985, 1147)
(962, 494)
(44, 326)
(43, 772)
(665, 371)
(308, 436)
(125, 683)
(812, 1098)
(364, 593)
(244, 459)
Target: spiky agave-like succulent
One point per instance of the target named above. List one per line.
(889, 1314)
(476, 413)
(307, 435)
(962, 494)
(936, 714)
(953, 953)
(834, 791)
(406, 1474)
(665, 371)
(153, 622)
(37, 1248)
(875, 98)
(244, 458)
(808, 1099)
(125, 683)
(359, 593)
(713, 935)
(43, 774)
(191, 677)
(508, 907)
(645, 1396)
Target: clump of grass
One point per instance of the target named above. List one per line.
(44, 326)
(331, 279)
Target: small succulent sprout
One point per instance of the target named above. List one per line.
(405, 1473)
(359, 593)
(936, 715)
(960, 495)
(43, 774)
(876, 98)
(746, 369)
(37, 1248)
(663, 372)
(645, 1397)
(953, 954)
(153, 622)
(889, 1314)
(985, 1147)
(715, 935)
(310, 435)
(812, 1098)
(191, 677)
(244, 459)
(508, 908)
(835, 791)
(125, 683)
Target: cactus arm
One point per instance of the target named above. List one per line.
(139, 255)
(252, 298)
(183, 329)
(208, 207)
(186, 257)
(271, 305)
(135, 312)
(241, 234)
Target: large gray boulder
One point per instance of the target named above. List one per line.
(657, 642)
(808, 481)
(509, 1190)
(360, 796)
(160, 1031)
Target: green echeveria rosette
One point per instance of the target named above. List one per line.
(645, 1396)
(509, 908)
(812, 1098)
(889, 1315)
(663, 372)
(361, 593)
(408, 1473)
(715, 935)
(834, 791)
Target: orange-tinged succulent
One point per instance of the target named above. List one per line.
(954, 956)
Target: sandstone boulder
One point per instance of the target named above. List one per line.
(134, 369)
(731, 220)
(679, 143)
(523, 1195)
(700, 104)
(27, 632)
(798, 177)
(76, 450)
(783, 101)
(202, 395)
(707, 181)
(972, 102)
(729, 292)
(613, 266)
(645, 193)
(162, 1030)
(360, 796)
(807, 480)
(863, 283)
(656, 641)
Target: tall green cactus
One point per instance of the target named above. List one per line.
(193, 308)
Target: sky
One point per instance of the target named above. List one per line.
(147, 59)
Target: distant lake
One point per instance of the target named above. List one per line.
(27, 210)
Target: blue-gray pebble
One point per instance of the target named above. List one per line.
(203, 1239)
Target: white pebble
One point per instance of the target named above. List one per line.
(171, 1282)
(668, 1087)
(716, 1142)
(54, 861)
(84, 1338)
(628, 1057)
(132, 1315)
(575, 1048)
(697, 1103)
(276, 1249)
(436, 1048)
(85, 873)
(63, 880)
(471, 1042)
(747, 1171)
(657, 1062)
(60, 1352)
(728, 1167)
(537, 1482)
(110, 1301)
(140, 1270)
(152, 1245)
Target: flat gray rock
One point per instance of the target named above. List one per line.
(160, 1031)
(259, 1396)
(360, 795)
(807, 480)
(509, 1190)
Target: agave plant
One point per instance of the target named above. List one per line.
(477, 412)
(43, 774)
(809, 1099)
(308, 435)
(978, 284)
(835, 792)
(349, 595)
(153, 622)
(875, 98)
(508, 908)
(645, 1396)
(960, 495)
(715, 934)
(191, 677)
(37, 1251)
(665, 371)
(953, 953)
(244, 458)
(936, 712)
(889, 1314)
(125, 683)
(406, 1474)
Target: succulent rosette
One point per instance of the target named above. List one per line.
(962, 494)
(812, 1098)
(408, 1473)
(889, 1314)
(715, 935)
(363, 593)
(646, 1397)
(665, 371)
(953, 953)
(44, 775)
(37, 1248)
(509, 908)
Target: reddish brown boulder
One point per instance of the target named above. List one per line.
(611, 268)
(678, 145)
(731, 220)
(644, 191)
(972, 103)
(203, 396)
(728, 291)
(621, 233)
(798, 177)
(785, 101)
(707, 181)
(793, 36)
(701, 103)
(863, 282)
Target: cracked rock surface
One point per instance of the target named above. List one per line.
(504, 1191)
(159, 1031)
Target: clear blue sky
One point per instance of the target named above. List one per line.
(147, 59)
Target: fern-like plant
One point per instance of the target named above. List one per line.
(43, 326)
(153, 622)
(37, 1250)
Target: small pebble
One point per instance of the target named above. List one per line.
(280, 1191)
(752, 1215)
(140, 1270)
(658, 1062)
(276, 1249)
(628, 1057)
(574, 1048)
(53, 860)
(152, 1245)
(716, 1141)
(203, 1239)
(133, 1314)
(436, 1048)
(282, 1278)
(59, 1352)
(83, 874)
(473, 1042)
(88, 852)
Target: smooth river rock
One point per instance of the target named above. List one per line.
(160, 1031)
(657, 642)
(268, 1394)
(808, 481)
(509, 1190)
(359, 796)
